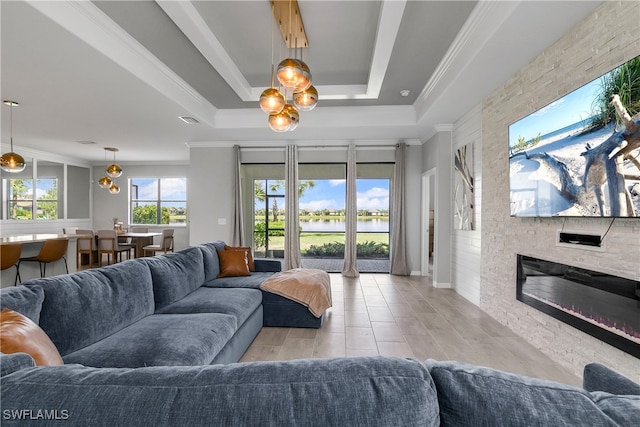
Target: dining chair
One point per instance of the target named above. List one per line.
(85, 245)
(10, 256)
(52, 250)
(108, 244)
(166, 244)
(70, 230)
(128, 241)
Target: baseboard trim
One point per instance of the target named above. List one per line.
(442, 285)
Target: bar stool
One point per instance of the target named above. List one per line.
(10, 256)
(52, 250)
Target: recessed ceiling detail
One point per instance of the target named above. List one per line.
(193, 25)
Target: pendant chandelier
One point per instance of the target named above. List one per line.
(292, 73)
(12, 162)
(112, 171)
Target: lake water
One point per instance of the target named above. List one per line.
(373, 225)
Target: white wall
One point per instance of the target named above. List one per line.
(605, 39)
(465, 245)
(210, 194)
(436, 153)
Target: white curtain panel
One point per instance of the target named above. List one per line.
(291, 218)
(350, 245)
(237, 236)
(398, 245)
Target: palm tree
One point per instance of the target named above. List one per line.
(274, 186)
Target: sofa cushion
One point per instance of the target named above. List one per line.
(176, 275)
(477, 396)
(624, 410)
(233, 263)
(211, 261)
(597, 377)
(10, 363)
(23, 299)
(19, 334)
(320, 392)
(239, 303)
(82, 308)
(252, 281)
(161, 340)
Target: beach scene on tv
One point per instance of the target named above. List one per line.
(580, 155)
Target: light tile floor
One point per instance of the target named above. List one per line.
(380, 314)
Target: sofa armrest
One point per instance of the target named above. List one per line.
(10, 363)
(267, 265)
(597, 377)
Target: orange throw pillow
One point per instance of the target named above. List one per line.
(233, 263)
(19, 334)
(247, 249)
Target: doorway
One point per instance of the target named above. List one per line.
(429, 219)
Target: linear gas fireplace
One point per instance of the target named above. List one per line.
(604, 306)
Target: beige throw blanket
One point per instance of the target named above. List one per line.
(308, 286)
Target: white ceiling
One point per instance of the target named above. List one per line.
(120, 73)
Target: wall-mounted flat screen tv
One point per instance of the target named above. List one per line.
(580, 155)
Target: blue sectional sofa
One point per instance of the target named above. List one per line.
(145, 343)
(144, 312)
(361, 391)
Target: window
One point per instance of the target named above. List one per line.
(158, 201)
(268, 231)
(21, 197)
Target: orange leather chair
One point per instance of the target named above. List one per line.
(51, 251)
(10, 256)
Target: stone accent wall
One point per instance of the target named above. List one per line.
(607, 38)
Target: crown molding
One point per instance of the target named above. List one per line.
(483, 22)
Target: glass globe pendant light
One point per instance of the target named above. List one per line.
(280, 122)
(113, 170)
(12, 162)
(104, 182)
(114, 189)
(294, 116)
(290, 73)
(307, 99)
(305, 81)
(272, 101)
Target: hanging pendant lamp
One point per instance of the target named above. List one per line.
(113, 170)
(104, 182)
(12, 162)
(307, 99)
(294, 116)
(280, 122)
(293, 74)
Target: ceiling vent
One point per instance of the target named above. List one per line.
(189, 120)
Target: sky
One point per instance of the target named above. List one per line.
(372, 194)
(571, 108)
(172, 188)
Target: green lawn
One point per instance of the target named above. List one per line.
(319, 239)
